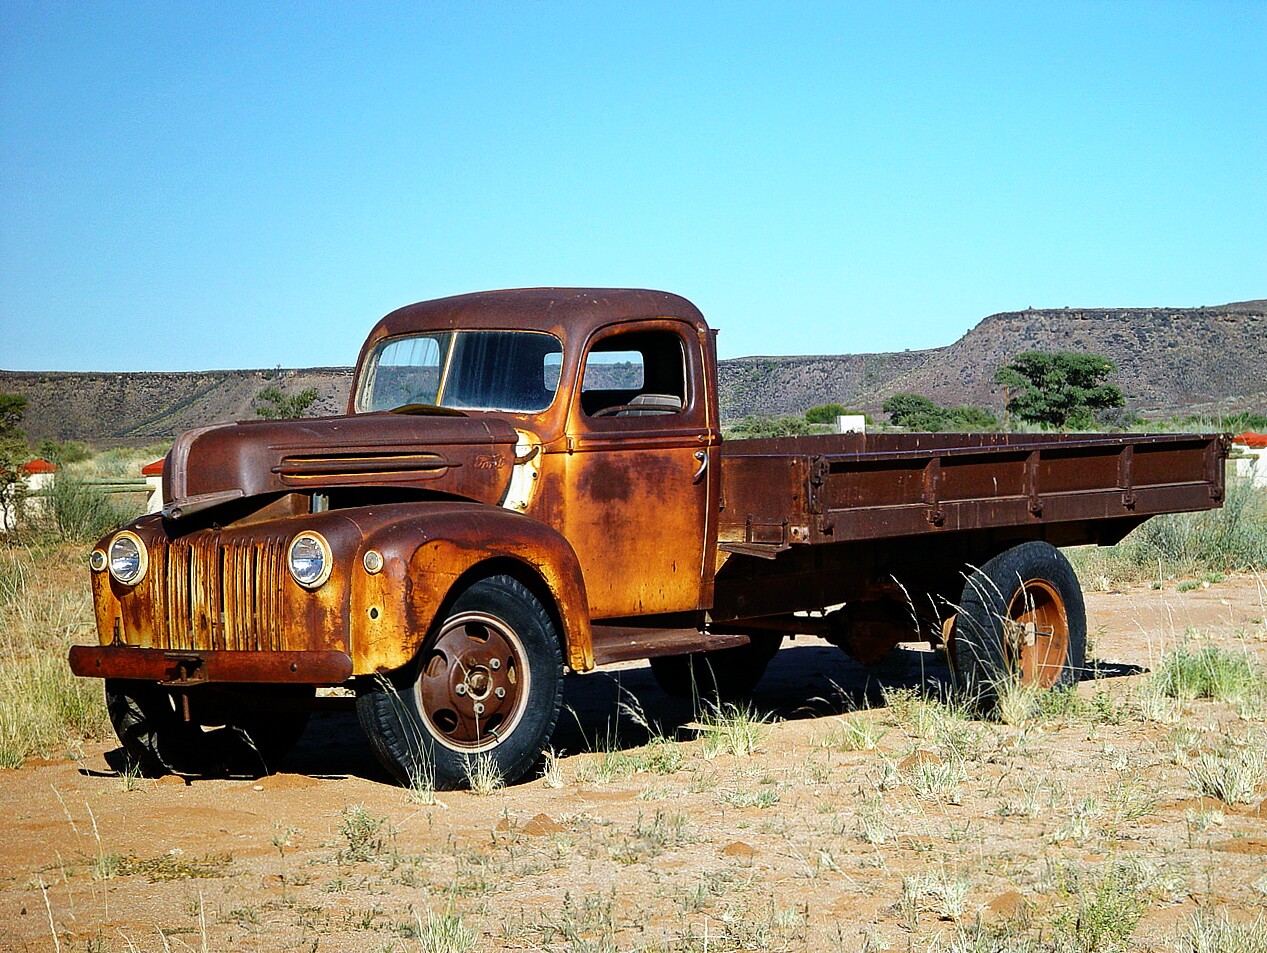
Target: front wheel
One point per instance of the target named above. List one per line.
(487, 683)
(1021, 620)
(231, 729)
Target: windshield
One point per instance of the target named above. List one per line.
(515, 371)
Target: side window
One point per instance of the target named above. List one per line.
(635, 374)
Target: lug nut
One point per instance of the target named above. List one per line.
(461, 688)
(499, 692)
(495, 664)
(479, 708)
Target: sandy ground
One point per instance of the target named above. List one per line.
(805, 845)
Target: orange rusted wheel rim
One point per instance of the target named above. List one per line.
(473, 682)
(1036, 634)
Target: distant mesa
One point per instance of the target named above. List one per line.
(1202, 360)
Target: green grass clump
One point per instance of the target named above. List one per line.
(1214, 933)
(1185, 546)
(732, 729)
(1232, 776)
(855, 733)
(444, 933)
(1107, 911)
(1208, 671)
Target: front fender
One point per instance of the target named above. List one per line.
(427, 548)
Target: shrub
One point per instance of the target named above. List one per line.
(79, 512)
(763, 426)
(917, 412)
(63, 452)
(272, 404)
(1230, 539)
(825, 413)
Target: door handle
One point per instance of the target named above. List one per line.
(702, 457)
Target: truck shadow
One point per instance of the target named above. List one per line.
(616, 709)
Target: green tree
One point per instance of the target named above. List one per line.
(272, 404)
(1059, 389)
(12, 410)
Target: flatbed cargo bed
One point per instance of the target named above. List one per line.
(785, 491)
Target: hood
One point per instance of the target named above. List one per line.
(469, 457)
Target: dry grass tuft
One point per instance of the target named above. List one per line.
(45, 607)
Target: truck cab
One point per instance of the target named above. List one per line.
(561, 440)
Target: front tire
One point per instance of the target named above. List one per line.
(1021, 620)
(235, 730)
(488, 682)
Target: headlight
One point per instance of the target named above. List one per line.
(309, 559)
(128, 559)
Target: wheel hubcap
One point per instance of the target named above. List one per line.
(1036, 634)
(473, 682)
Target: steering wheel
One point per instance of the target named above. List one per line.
(641, 408)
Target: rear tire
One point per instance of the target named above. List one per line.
(488, 682)
(243, 730)
(719, 676)
(1021, 620)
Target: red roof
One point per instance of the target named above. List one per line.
(1251, 439)
(39, 466)
(153, 469)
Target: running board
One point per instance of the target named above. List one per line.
(620, 643)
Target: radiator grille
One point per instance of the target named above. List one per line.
(222, 594)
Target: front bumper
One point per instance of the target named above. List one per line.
(181, 668)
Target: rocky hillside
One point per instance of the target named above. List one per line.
(141, 408)
(1171, 359)
(1168, 358)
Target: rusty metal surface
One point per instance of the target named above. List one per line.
(627, 643)
(570, 314)
(469, 456)
(828, 489)
(220, 589)
(194, 668)
(623, 490)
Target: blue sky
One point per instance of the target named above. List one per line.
(190, 186)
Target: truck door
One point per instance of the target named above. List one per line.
(640, 471)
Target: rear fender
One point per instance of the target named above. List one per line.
(431, 548)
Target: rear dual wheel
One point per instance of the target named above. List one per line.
(487, 683)
(1021, 620)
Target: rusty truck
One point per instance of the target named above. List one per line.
(533, 483)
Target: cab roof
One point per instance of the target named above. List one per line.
(567, 312)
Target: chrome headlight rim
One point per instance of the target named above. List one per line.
(327, 561)
(98, 561)
(142, 559)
